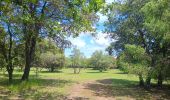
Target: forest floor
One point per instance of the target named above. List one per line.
(88, 85)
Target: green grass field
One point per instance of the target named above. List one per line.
(56, 86)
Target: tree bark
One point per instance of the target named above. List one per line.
(75, 70)
(29, 53)
(160, 80)
(148, 79)
(9, 59)
(79, 70)
(160, 74)
(52, 68)
(148, 82)
(10, 73)
(141, 81)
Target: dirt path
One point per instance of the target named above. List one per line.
(84, 91)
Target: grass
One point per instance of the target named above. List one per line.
(112, 83)
(88, 74)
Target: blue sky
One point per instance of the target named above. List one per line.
(88, 43)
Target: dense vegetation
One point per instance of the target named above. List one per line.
(24, 23)
(141, 30)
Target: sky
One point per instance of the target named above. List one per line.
(87, 43)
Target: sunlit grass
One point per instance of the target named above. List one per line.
(49, 85)
(88, 74)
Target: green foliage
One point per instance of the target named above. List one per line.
(157, 14)
(142, 23)
(49, 56)
(50, 61)
(101, 61)
(33, 20)
(134, 60)
(76, 57)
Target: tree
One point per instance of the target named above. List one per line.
(50, 61)
(77, 59)
(144, 25)
(101, 61)
(95, 58)
(56, 19)
(134, 60)
(37, 19)
(68, 62)
(8, 34)
(48, 55)
(157, 15)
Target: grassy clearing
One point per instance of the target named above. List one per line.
(56, 85)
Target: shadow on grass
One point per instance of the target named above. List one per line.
(32, 89)
(36, 82)
(127, 89)
(120, 73)
(57, 71)
(17, 76)
(96, 72)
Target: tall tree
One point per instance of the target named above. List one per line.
(157, 16)
(77, 60)
(134, 60)
(8, 36)
(54, 18)
(129, 22)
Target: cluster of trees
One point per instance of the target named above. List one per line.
(101, 61)
(49, 56)
(141, 29)
(98, 61)
(23, 23)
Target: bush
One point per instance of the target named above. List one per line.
(51, 61)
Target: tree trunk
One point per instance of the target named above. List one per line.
(160, 80)
(52, 68)
(10, 75)
(9, 61)
(27, 66)
(79, 70)
(160, 74)
(141, 81)
(37, 71)
(148, 82)
(75, 70)
(31, 37)
(10, 70)
(29, 53)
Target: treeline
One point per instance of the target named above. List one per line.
(98, 61)
(26, 23)
(141, 29)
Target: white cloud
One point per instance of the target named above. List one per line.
(89, 44)
(88, 50)
(102, 39)
(77, 42)
(109, 1)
